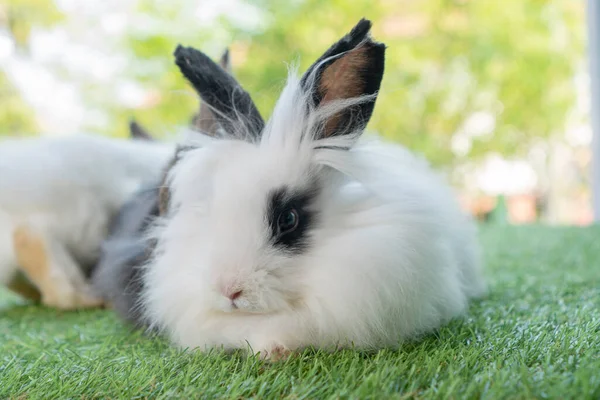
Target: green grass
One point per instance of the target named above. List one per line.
(537, 335)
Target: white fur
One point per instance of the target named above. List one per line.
(66, 189)
(391, 257)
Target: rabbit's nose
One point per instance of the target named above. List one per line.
(234, 295)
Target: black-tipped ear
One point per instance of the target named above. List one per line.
(136, 131)
(204, 120)
(230, 103)
(225, 61)
(351, 68)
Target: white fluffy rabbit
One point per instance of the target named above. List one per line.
(299, 232)
(57, 198)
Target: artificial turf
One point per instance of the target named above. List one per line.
(536, 335)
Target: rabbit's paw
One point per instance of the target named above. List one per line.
(38, 260)
(69, 298)
(88, 300)
(275, 352)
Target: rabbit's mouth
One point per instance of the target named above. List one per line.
(241, 304)
(235, 310)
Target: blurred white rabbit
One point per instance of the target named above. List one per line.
(57, 198)
(299, 232)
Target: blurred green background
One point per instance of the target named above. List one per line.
(495, 93)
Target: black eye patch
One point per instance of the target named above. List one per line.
(291, 216)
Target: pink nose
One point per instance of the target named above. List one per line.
(234, 294)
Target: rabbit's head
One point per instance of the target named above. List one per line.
(248, 205)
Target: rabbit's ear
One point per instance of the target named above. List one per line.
(136, 131)
(231, 105)
(225, 61)
(204, 120)
(352, 68)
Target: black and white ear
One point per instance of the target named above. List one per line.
(136, 131)
(350, 69)
(228, 101)
(204, 120)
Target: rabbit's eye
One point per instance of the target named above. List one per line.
(290, 217)
(288, 221)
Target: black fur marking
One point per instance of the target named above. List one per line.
(331, 148)
(181, 149)
(219, 90)
(135, 215)
(118, 274)
(136, 131)
(285, 199)
(369, 78)
(224, 61)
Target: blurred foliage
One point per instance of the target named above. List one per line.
(16, 118)
(447, 60)
(18, 17)
(21, 16)
(172, 102)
